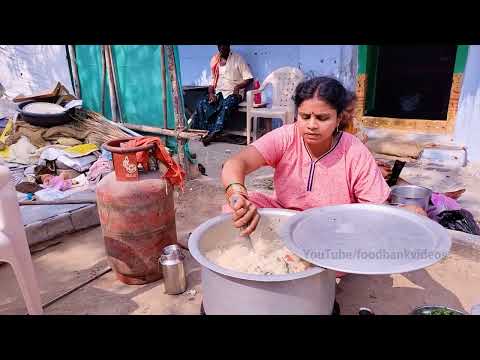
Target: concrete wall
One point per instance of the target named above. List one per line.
(333, 60)
(467, 125)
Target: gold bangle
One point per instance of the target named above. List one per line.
(236, 188)
(235, 183)
(235, 191)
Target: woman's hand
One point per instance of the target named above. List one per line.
(233, 176)
(414, 209)
(245, 214)
(212, 98)
(385, 169)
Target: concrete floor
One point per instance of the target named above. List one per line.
(74, 259)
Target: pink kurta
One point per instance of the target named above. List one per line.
(344, 175)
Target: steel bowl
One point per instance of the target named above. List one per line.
(410, 195)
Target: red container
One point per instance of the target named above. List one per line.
(257, 98)
(137, 216)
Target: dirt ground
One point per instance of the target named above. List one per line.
(76, 258)
(453, 282)
(68, 261)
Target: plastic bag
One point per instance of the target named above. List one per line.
(440, 203)
(459, 220)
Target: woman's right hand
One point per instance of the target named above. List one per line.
(212, 98)
(245, 214)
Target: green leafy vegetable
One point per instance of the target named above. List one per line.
(441, 311)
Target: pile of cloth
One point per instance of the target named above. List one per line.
(59, 172)
(100, 168)
(50, 163)
(68, 134)
(86, 127)
(396, 148)
(407, 150)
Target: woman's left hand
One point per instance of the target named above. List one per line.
(414, 209)
(385, 169)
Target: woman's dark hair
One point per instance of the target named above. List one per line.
(351, 96)
(324, 88)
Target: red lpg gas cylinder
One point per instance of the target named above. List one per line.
(137, 214)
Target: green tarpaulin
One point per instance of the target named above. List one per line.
(139, 79)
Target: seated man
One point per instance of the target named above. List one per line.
(230, 76)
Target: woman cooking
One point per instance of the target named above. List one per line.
(316, 164)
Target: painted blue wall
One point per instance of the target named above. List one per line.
(339, 61)
(333, 60)
(467, 124)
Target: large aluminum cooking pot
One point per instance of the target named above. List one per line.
(225, 291)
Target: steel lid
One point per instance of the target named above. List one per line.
(366, 239)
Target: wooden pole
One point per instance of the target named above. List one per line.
(167, 132)
(123, 128)
(164, 86)
(73, 61)
(111, 85)
(115, 83)
(178, 110)
(104, 70)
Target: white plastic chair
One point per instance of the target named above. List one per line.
(284, 81)
(14, 246)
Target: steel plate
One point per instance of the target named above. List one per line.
(366, 239)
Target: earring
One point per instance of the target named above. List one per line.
(337, 128)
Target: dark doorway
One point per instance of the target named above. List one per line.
(410, 82)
